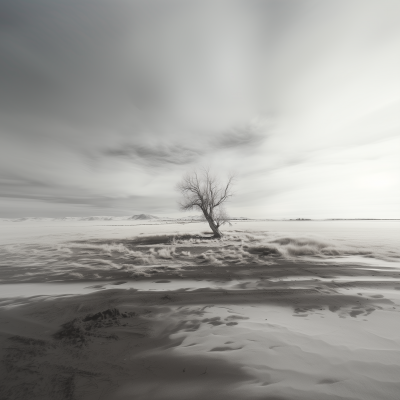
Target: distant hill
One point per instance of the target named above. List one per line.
(99, 218)
(143, 217)
(139, 217)
(183, 219)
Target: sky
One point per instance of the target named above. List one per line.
(105, 105)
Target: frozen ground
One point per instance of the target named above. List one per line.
(32, 251)
(276, 310)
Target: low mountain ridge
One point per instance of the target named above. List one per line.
(143, 217)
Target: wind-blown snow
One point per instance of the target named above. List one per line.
(67, 250)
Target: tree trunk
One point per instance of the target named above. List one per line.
(213, 225)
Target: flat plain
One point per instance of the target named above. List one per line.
(276, 310)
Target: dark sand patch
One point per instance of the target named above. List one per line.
(327, 381)
(225, 348)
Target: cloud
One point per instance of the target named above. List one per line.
(248, 135)
(97, 96)
(245, 137)
(157, 155)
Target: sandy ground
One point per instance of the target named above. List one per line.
(176, 315)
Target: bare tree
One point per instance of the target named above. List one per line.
(203, 190)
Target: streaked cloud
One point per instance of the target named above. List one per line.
(104, 106)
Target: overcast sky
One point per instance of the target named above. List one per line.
(104, 105)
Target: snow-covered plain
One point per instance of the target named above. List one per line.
(275, 310)
(72, 248)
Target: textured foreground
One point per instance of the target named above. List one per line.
(228, 320)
